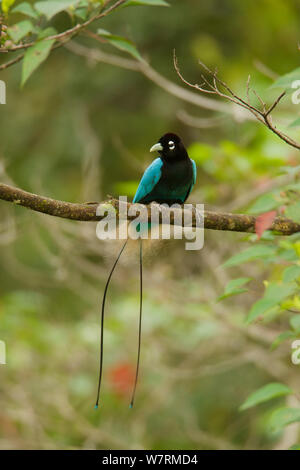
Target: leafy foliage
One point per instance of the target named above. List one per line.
(50, 8)
(286, 81)
(258, 251)
(283, 417)
(120, 43)
(6, 5)
(19, 30)
(34, 56)
(234, 287)
(266, 393)
(283, 289)
(274, 295)
(26, 9)
(39, 27)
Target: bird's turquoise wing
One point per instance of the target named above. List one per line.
(194, 173)
(149, 180)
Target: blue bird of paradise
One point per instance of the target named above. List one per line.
(168, 180)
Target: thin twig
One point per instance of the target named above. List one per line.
(248, 88)
(21, 57)
(11, 62)
(275, 103)
(262, 114)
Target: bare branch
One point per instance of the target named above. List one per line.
(87, 212)
(275, 103)
(198, 87)
(232, 96)
(263, 115)
(11, 62)
(262, 103)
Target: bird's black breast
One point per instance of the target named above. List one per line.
(174, 184)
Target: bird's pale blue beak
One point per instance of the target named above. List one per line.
(156, 148)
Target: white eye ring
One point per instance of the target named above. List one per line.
(171, 145)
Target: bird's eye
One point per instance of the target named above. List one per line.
(171, 145)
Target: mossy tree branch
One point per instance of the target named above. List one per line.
(87, 212)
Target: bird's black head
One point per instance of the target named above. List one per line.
(170, 147)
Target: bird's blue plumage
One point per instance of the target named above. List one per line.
(194, 173)
(149, 180)
(194, 177)
(171, 177)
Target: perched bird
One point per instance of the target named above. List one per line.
(169, 179)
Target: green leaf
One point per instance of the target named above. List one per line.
(293, 303)
(283, 417)
(250, 254)
(282, 337)
(259, 308)
(265, 203)
(26, 9)
(275, 293)
(266, 393)
(233, 287)
(295, 123)
(86, 3)
(6, 4)
(52, 7)
(44, 33)
(291, 273)
(295, 323)
(286, 80)
(120, 43)
(81, 13)
(34, 56)
(293, 212)
(158, 3)
(19, 30)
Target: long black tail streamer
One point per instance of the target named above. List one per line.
(102, 322)
(140, 325)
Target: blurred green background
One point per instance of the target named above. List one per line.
(82, 129)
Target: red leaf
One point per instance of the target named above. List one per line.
(122, 378)
(263, 222)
